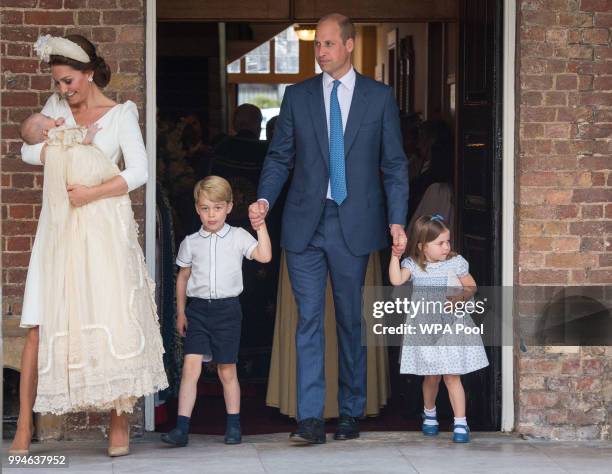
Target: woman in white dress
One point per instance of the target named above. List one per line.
(108, 372)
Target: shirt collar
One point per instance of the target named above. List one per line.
(222, 233)
(348, 80)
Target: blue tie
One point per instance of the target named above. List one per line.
(337, 175)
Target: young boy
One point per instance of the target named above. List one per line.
(211, 275)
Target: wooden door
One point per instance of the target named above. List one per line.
(478, 182)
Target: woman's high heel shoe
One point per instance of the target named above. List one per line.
(21, 452)
(18, 452)
(116, 451)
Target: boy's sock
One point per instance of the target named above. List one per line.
(233, 433)
(182, 423)
(460, 423)
(233, 419)
(429, 412)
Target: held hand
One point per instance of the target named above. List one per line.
(59, 121)
(257, 213)
(79, 195)
(181, 325)
(396, 253)
(399, 240)
(454, 299)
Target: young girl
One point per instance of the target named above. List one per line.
(432, 267)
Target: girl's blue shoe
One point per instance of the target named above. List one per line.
(462, 434)
(429, 430)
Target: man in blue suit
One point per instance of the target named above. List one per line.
(340, 133)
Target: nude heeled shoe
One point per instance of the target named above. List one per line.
(116, 451)
(20, 452)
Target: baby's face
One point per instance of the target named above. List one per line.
(41, 126)
(34, 129)
(46, 123)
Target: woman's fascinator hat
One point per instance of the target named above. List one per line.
(48, 45)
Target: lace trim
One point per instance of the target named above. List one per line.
(120, 395)
(66, 136)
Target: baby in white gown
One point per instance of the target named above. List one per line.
(100, 343)
(36, 129)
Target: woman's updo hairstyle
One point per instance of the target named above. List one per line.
(101, 71)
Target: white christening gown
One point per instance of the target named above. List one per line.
(100, 343)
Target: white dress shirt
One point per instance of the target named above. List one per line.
(345, 97)
(216, 261)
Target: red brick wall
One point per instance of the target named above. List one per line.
(565, 191)
(117, 27)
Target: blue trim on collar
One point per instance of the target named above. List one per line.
(222, 233)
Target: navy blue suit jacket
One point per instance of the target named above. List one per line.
(374, 159)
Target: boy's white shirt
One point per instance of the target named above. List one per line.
(215, 260)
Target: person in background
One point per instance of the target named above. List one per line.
(435, 146)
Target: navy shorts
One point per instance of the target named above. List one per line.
(213, 329)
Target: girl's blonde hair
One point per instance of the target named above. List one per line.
(424, 230)
(215, 188)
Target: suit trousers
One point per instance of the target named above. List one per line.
(308, 270)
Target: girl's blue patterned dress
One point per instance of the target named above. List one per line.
(438, 354)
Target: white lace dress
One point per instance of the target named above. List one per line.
(100, 344)
(440, 354)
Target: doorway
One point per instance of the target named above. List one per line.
(472, 99)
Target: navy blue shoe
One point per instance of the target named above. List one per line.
(461, 436)
(429, 430)
(175, 437)
(233, 434)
